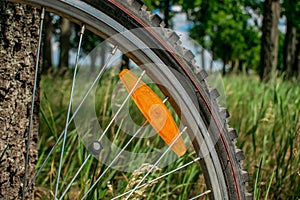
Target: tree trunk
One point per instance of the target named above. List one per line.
(125, 62)
(166, 12)
(93, 62)
(64, 44)
(204, 16)
(240, 66)
(224, 68)
(296, 67)
(47, 55)
(103, 54)
(212, 62)
(269, 40)
(289, 49)
(203, 59)
(18, 45)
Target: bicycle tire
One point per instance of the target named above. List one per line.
(222, 168)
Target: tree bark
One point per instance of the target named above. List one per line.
(18, 45)
(269, 40)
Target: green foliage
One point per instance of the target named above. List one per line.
(224, 28)
(89, 40)
(255, 5)
(291, 9)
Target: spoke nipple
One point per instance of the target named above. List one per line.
(43, 14)
(82, 29)
(95, 148)
(114, 50)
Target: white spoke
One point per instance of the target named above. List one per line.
(74, 114)
(160, 177)
(75, 176)
(106, 129)
(156, 163)
(33, 102)
(69, 111)
(201, 195)
(114, 160)
(122, 105)
(108, 167)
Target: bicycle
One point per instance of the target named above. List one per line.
(132, 29)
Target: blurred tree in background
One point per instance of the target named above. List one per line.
(64, 41)
(89, 42)
(48, 34)
(223, 28)
(291, 51)
(245, 35)
(269, 39)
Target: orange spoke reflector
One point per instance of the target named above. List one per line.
(154, 110)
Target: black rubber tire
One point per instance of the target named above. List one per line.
(226, 159)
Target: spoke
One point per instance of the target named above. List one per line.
(156, 163)
(108, 167)
(74, 114)
(201, 195)
(95, 81)
(122, 105)
(122, 150)
(160, 177)
(43, 164)
(69, 111)
(108, 126)
(33, 101)
(75, 176)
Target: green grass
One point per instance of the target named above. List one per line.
(54, 101)
(266, 116)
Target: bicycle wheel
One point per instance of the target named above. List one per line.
(129, 27)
